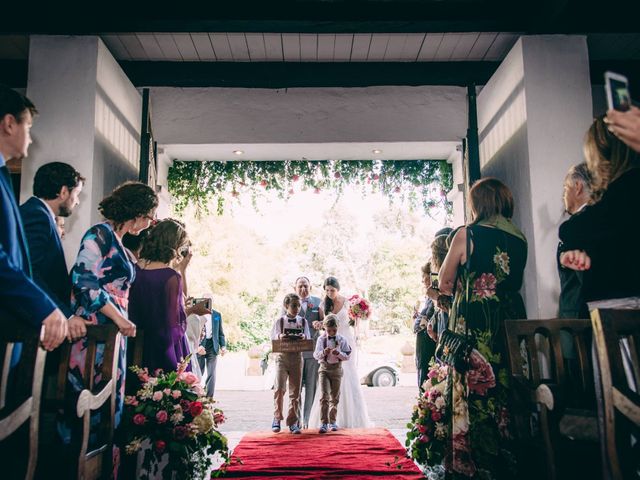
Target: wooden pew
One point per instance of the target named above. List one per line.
(617, 339)
(20, 391)
(557, 408)
(101, 397)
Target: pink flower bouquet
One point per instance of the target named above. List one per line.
(171, 412)
(359, 308)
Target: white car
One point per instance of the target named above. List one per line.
(378, 371)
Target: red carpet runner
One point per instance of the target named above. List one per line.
(347, 454)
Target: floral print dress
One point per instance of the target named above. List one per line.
(103, 272)
(460, 426)
(479, 433)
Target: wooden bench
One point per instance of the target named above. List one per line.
(617, 339)
(20, 391)
(95, 397)
(556, 415)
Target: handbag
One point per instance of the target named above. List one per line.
(454, 349)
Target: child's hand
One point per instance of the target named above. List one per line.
(335, 351)
(327, 351)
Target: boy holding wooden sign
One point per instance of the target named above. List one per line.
(290, 335)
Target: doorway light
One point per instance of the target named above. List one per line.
(376, 151)
(238, 152)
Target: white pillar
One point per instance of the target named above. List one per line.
(532, 118)
(90, 117)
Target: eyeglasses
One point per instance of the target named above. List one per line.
(151, 219)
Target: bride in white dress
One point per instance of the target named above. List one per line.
(352, 409)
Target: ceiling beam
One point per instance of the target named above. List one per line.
(306, 74)
(333, 16)
(290, 75)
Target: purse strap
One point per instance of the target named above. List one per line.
(467, 269)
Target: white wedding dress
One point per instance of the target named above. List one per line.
(352, 409)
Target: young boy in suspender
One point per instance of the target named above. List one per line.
(331, 350)
(289, 364)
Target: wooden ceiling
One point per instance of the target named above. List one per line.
(336, 40)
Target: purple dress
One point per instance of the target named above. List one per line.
(156, 306)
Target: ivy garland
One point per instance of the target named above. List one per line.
(422, 182)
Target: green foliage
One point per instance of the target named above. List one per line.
(419, 182)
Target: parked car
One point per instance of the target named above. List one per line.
(378, 372)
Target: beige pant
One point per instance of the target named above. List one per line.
(329, 376)
(288, 366)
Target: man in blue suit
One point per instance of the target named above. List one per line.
(56, 188)
(21, 300)
(213, 343)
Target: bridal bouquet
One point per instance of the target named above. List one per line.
(172, 413)
(359, 308)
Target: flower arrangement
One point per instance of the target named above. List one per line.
(359, 308)
(428, 427)
(171, 412)
(419, 182)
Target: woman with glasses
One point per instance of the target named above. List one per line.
(101, 277)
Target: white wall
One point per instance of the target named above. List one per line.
(89, 117)
(308, 115)
(62, 85)
(533, 114)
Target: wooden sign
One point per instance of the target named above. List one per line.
(289, 345)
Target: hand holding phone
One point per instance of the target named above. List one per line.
(205, 301)
(616, 87)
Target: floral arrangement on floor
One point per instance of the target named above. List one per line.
(359, 309)
(428, 427)
(172, 413)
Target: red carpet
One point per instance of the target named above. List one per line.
(347, 454)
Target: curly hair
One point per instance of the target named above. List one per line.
(128, 201)
(164, 241)
(607, 156)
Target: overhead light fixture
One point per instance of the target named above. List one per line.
(376, 151)
(238, 152)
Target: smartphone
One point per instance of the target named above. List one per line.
(434, 279)
(616, 87)
(206, 301)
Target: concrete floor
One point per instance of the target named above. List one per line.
(252, 410)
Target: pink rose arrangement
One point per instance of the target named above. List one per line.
(359, 308)
(428, 427)
(172, 413)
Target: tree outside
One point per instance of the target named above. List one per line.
(249, 257)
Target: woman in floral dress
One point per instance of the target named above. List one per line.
(461, 424)
(101, 277)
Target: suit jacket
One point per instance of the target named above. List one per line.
(609, 231)
(47, 256)
(571, 302)
(217, 339)
(20, 298)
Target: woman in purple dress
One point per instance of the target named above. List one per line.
(156, 301)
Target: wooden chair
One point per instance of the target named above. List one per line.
(100, 397)
(617, 338)
(557, 407)
(20, 390)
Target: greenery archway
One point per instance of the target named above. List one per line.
(420, 182)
